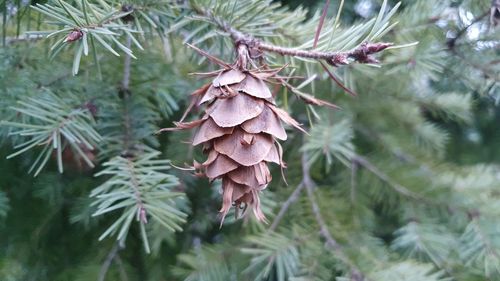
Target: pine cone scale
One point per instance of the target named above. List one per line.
(236, 110)
(255, 87)
(229, 77)
(273, 156)
(267, 122)
(220, 166)
(250, 176)
(210, 130)
(234, 147)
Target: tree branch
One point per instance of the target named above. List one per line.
(310, 185)
(142, 212)
(107, 263)
(126, 67)
(361, 54)
(324, 231)
(365, 163)
(487, 242)
(293, 197)
(452, 41)
(123, 273)
(385, 178)
(124, 93)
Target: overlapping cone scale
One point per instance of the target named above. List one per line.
(238, 133)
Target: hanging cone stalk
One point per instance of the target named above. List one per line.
(238, 132)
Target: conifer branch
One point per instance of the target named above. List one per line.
(142, 212)
(354, 181)
(452, 41)
(361, 54)
(113, 254)
(121, 268)
(324, 231)
(126, 67)
(385, 178)
(365, 163)
(125, 94)
(284, 208)
(55, 125)
(127, 123)
(139, 187)
(487, 242)
(452, 44)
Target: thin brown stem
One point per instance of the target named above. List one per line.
(487, 242)
(321, 22)
(137, 192)
(337, 81)
(365, 163)
(361, 54)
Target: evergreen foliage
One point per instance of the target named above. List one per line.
(399, 183)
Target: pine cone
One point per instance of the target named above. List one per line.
(239, 132)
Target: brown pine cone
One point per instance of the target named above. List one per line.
(239, 132)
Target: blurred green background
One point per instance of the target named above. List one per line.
(427, 120)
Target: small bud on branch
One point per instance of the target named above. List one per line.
(74, 35)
